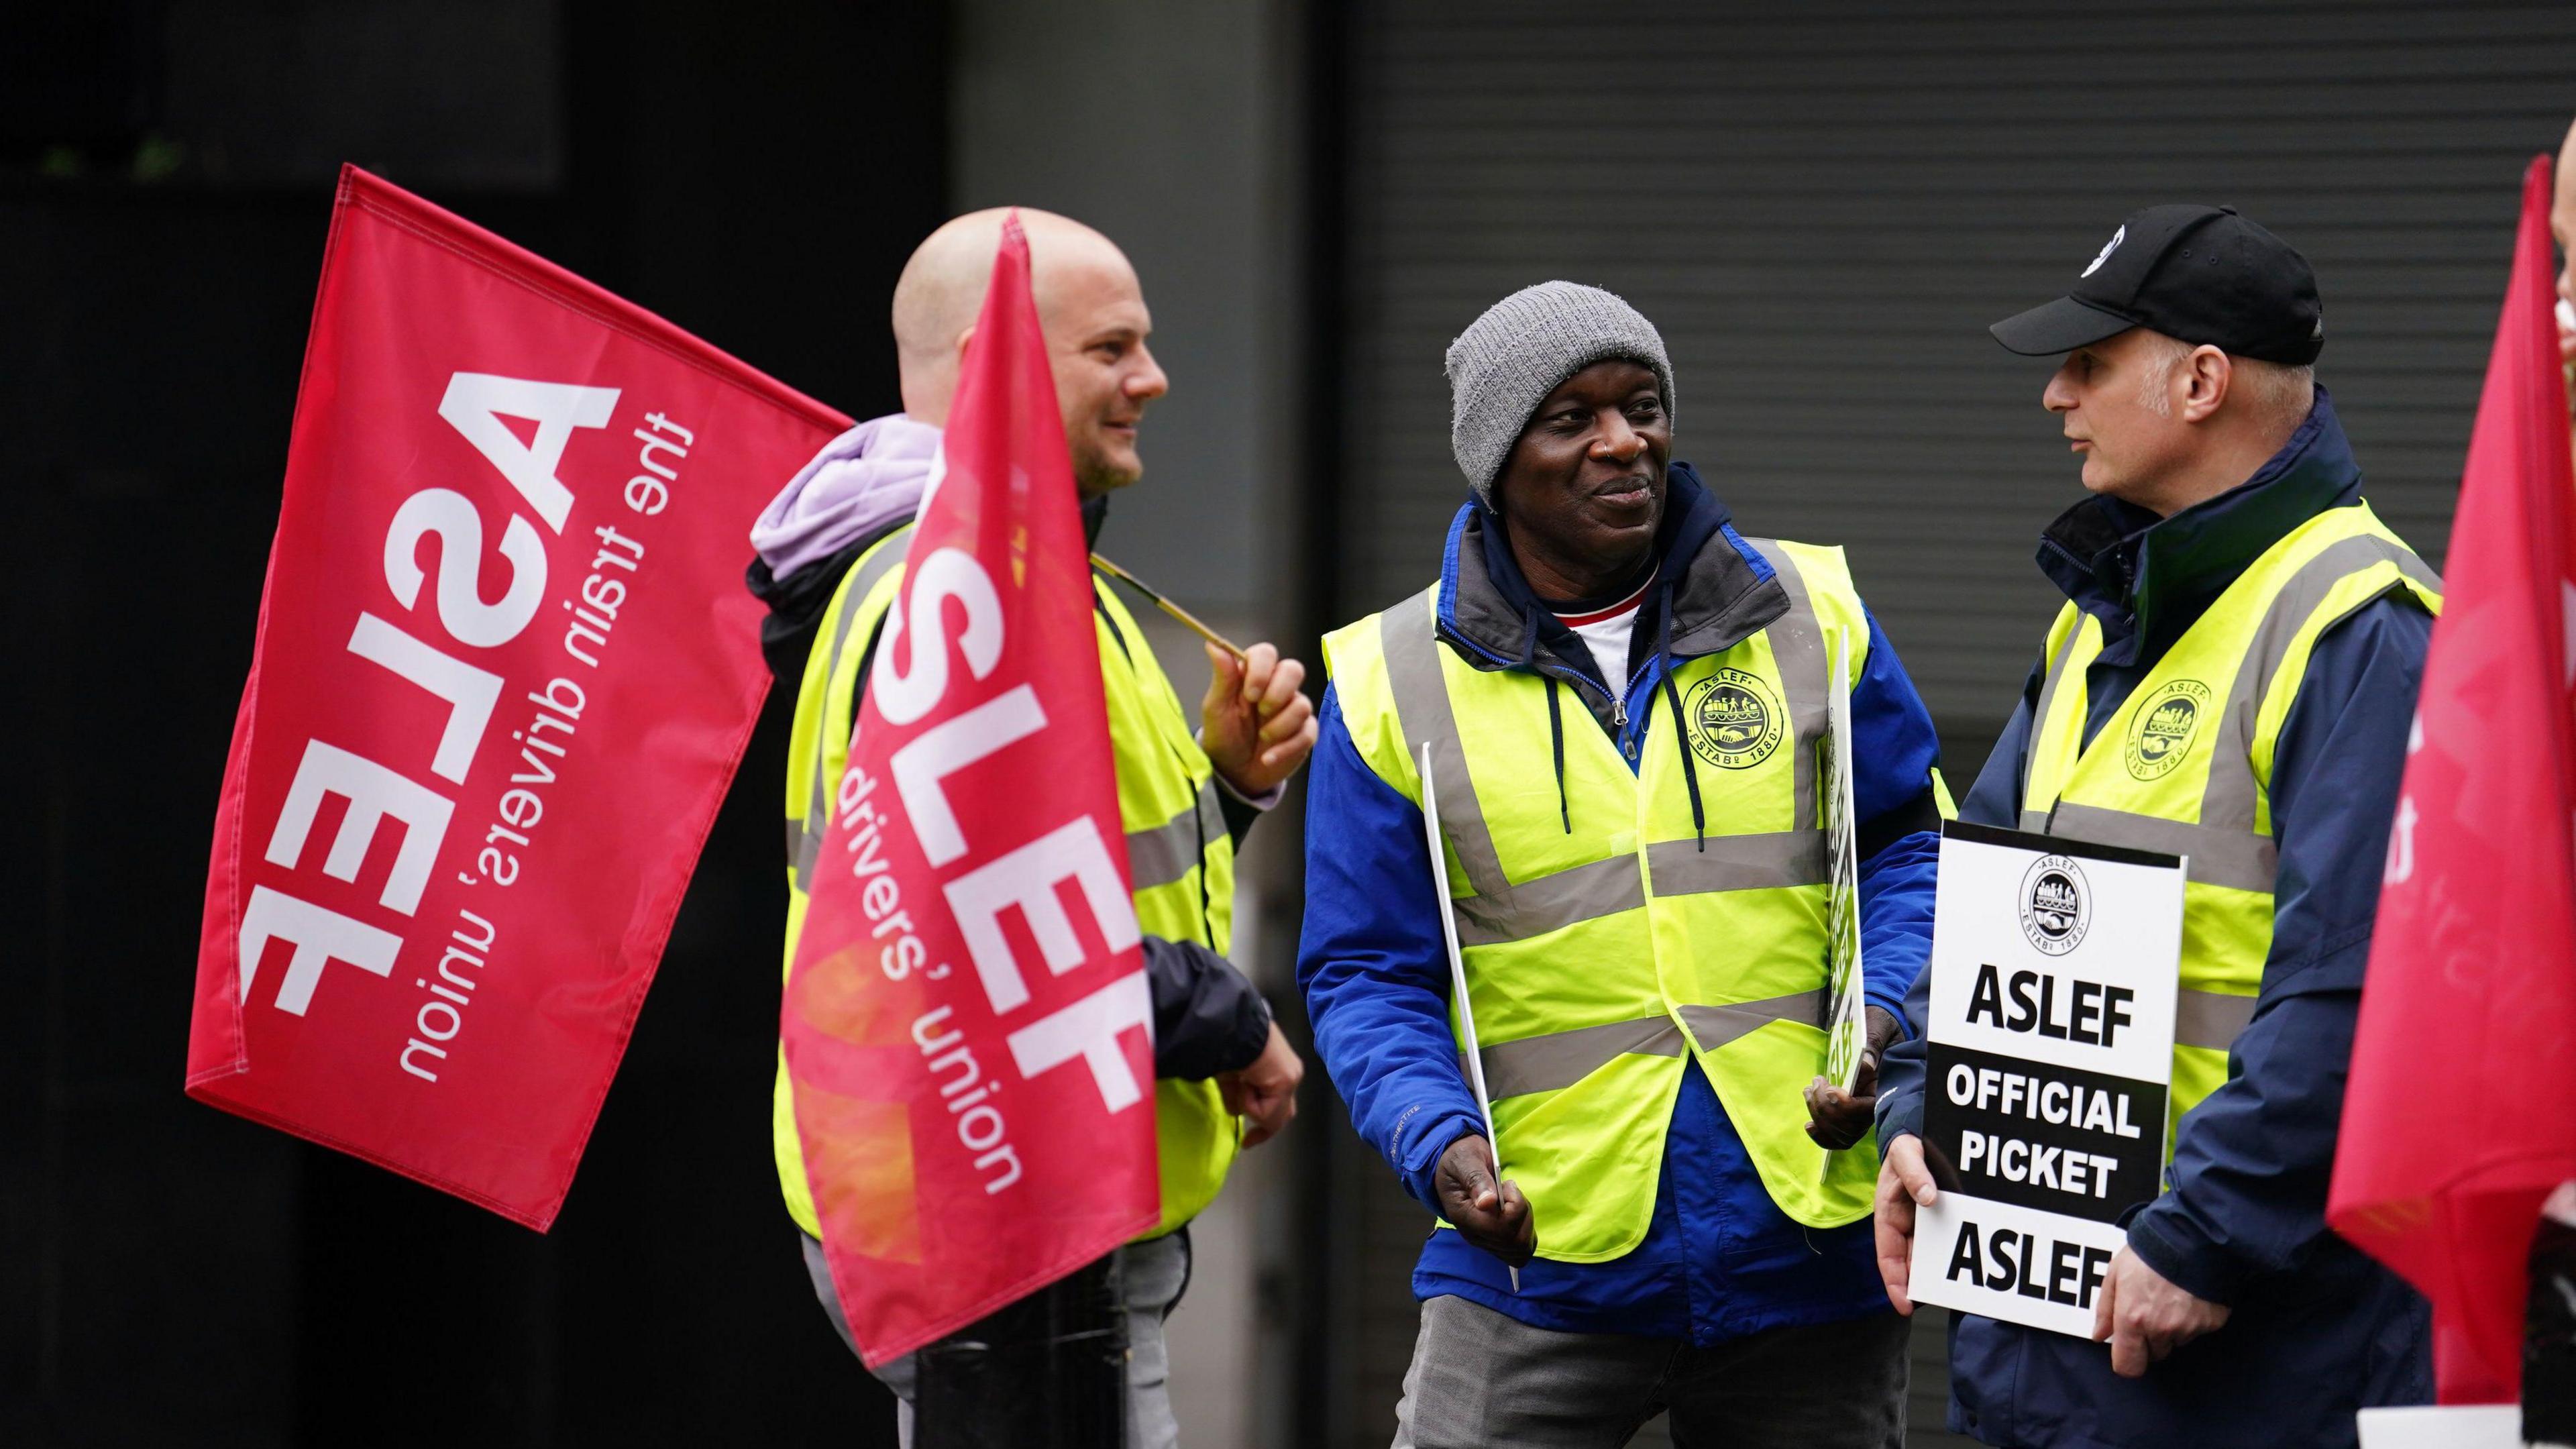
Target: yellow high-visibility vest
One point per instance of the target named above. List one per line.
(2186, 766)
(1602, 946)
(1179, 853)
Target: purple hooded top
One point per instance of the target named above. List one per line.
(863, 480)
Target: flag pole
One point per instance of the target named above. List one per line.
(1458, 978)
(1188, 619)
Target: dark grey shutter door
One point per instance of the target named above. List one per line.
(1823, 205)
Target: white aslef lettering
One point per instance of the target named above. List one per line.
(319, 935)
(1028, 878)
(1090, 1029)
(929, 758)
(373, 792)
(470, 693)
(477, 401)
(450, 516)
(909, 681)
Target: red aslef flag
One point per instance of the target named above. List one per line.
(967, 1021)
(2461, 1115)
(505, 670)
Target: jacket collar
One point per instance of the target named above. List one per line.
(1721, 592)
(2148, 579)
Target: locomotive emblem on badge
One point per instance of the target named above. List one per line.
(2161, 732)
(2054, 909)
(1734, 719)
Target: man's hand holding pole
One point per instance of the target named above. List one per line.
(1254, 724)
(1492, 1215)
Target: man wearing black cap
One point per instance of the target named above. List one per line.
(2231, 678)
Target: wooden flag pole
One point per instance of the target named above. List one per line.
(1188, 619)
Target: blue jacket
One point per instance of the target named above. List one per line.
(2317, 1330)
(1719, 1260)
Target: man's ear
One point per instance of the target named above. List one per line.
(2210, 373)
(962, 339)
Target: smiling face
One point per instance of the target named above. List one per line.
(1090, 308)
(1582, 490)
(1095, 321)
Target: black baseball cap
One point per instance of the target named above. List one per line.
(2200, 274)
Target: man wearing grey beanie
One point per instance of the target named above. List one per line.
(1680, 1218)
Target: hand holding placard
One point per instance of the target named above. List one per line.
(2048, 1058)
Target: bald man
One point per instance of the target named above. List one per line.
(831, 552)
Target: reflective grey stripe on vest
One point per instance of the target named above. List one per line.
(1500, 911)
(1165, 853)
(1559, 1059)
(2224, 847)
(805, 841)
(1407, 637)
(1738, 862)
(2230, 800)
(2048, 688)
(2210, 1018)
(2221, 855)
(1551, 902)
(1715, 1026)
(1798, 649)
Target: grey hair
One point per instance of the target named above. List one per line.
(2280, 392)
(2276, 391)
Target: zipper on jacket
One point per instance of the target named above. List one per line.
(1619, 717)
(1620, 720)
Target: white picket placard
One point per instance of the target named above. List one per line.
(2048, 1067)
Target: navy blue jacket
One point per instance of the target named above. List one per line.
(2317, 1330)
(1719, 1260)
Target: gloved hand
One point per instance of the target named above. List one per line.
(1493, 1216)
(1836, 1118)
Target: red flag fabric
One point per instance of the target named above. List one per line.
(2461, 1115)
(505, 669)
(967, 1022)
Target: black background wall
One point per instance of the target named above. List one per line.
(172, 1275)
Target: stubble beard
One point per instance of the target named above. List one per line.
(1095, 474)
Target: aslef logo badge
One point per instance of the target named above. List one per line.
(2161, 731)
(2055, 905)
(2108, 247)
(1734, 720)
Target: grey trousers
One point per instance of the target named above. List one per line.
(1154, 1273)
(1480, 1377)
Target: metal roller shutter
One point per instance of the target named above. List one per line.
(1822, 206)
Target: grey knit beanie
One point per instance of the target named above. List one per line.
(1507, 362)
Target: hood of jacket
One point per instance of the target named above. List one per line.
(865, 482)
(863, 485)
(2148, 578)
